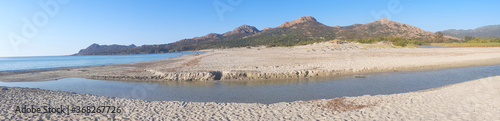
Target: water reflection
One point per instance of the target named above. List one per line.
(284, 81)
(268, 91)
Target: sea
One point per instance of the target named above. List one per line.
(51, 62)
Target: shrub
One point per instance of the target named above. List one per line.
(401, 43)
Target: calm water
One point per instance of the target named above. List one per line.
(268, 91)
(48, 62)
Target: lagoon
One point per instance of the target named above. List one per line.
(269, 91)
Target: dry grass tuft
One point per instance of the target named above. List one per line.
(340, 105)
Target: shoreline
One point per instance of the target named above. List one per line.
(488, 62)
(322, 60)
(476, 98)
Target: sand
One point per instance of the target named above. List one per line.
(472, 100)
(260, 63)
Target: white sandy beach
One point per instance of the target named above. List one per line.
(472, 100)
(260, 63)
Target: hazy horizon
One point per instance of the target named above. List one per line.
(63, 27)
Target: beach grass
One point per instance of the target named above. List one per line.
(491, 44)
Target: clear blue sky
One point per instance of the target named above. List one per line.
(78, 23)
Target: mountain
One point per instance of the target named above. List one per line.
(492, 31)
(194, 43)
(96, 49)
(304, 30)
(300, 20)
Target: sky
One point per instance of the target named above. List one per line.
(63, 27)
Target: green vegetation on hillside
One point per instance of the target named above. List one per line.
(470, 39)
(305, 30)
(492, 31)
(473, 42)
(397, 41)
(305, 33)
(300, 34)
(467, 44)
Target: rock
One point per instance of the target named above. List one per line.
(298, 21)
(267, 28)
(243, 29)
(384, 20)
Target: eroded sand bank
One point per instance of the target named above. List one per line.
(472, 100)
(316, 60)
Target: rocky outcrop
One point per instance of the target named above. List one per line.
(267, 28)
(244, 29)
(298, 21)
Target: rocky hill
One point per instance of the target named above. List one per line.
(385, 27)
(304, 30)
(96, 49)
(298, 21)
(492, 31)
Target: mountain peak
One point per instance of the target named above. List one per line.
(306, 18)
(95, 45)
(384, 20)
(244, 29)
(302, 19)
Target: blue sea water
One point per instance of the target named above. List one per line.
(49, 62)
